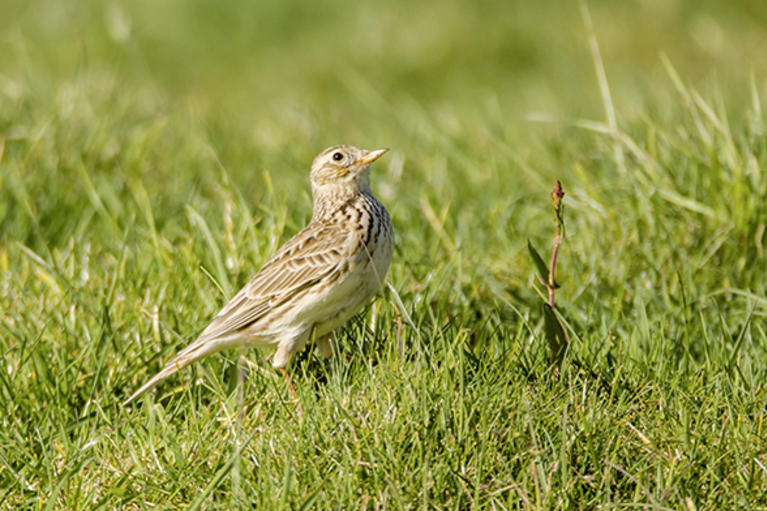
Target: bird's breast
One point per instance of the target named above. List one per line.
(371, 245)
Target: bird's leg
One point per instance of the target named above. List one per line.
(324, 347)
(281, 358)
(289, 382)
(292, 389)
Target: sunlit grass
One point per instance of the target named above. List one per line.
(140, 189)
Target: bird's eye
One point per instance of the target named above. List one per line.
(338, 156)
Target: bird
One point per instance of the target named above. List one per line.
(313, 283)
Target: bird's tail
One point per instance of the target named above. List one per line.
(200, 348)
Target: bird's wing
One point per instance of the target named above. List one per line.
(301, 262)
(306, 259)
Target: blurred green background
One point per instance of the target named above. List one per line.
(251, 58)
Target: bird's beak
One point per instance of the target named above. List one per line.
(372, 156)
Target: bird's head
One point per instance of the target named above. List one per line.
(343, 170)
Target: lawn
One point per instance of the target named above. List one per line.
(154, 154)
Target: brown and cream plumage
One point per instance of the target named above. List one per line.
(317, 280)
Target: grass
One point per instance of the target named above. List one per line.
(151, 159)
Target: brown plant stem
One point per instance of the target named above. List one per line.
(556, 203)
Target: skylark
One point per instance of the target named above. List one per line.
(317, 280)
